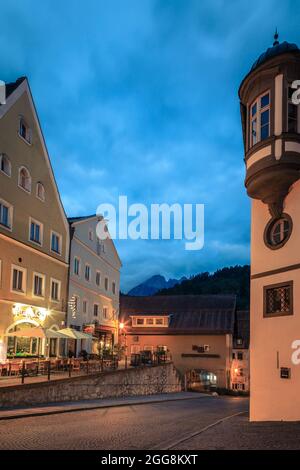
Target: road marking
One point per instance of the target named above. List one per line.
(194, 434)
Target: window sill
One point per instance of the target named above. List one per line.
(25, 140)
(36, 243)
(19, 292)
(56, 252)
(24, 189)
(7, 227)
(6, 174)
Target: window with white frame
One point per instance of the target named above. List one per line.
(260, 119)
(105, 312)
(55, 290)
(113, 287)
(38, 285)
(6, 213)
(96, 310)
(77, 266)
(98, 278)
(35, 231)
(25, 131)
(84, 306)
(292, 113)
(106, 283)
(56, 243)
(5, 165)
(24, 181)
(18, 279)
(40, 191)
(87, 272)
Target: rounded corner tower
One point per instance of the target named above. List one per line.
(271, 134)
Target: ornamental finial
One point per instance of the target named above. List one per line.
(276, 36)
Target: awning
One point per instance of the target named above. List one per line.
(74, 334)
(36, 332)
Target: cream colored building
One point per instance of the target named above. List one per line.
(34, 232)
(195, 331)
(94, 285)
(271, 127)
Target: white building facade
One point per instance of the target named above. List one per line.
(94, 286)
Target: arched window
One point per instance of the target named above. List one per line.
(24, 179)
(40, 191)
(5, 165)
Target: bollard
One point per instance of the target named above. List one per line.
(49, 370)
(70, 367)
(23, 372)
(87, 367)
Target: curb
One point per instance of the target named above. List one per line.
(96, 407)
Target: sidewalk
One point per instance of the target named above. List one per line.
(66, 407)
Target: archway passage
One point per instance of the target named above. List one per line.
(201, 380)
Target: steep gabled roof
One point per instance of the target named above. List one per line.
(14, 91)
(73, 220)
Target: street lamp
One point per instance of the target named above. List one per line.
(123, 331)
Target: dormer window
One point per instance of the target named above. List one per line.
(25, 131)
(25, 179)
(260, 119)
(5, 165)
(40, 191)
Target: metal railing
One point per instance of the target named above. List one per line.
(53, 369)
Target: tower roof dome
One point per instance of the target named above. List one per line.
(275, 50)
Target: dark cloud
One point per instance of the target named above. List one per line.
(140, 98)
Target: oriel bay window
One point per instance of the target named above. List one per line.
(278, 299)
(260, 119)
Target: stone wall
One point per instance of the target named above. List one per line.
(121, 383)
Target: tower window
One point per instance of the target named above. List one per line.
(260, 119)
(278, 299)
(278, 231)
(292, 113)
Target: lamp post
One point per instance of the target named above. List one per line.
(123, 331)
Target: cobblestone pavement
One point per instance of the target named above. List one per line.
(130, 427)
(165, 425)
(238, 433)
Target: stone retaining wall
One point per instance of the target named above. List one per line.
(120, 383)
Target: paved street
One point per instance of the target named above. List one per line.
(184, 424)
(130, 427)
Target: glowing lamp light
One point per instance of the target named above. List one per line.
(236, 371)
(122, 326)
(42, 314)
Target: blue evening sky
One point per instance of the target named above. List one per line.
(139, 98)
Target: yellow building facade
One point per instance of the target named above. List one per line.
(34, 232)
